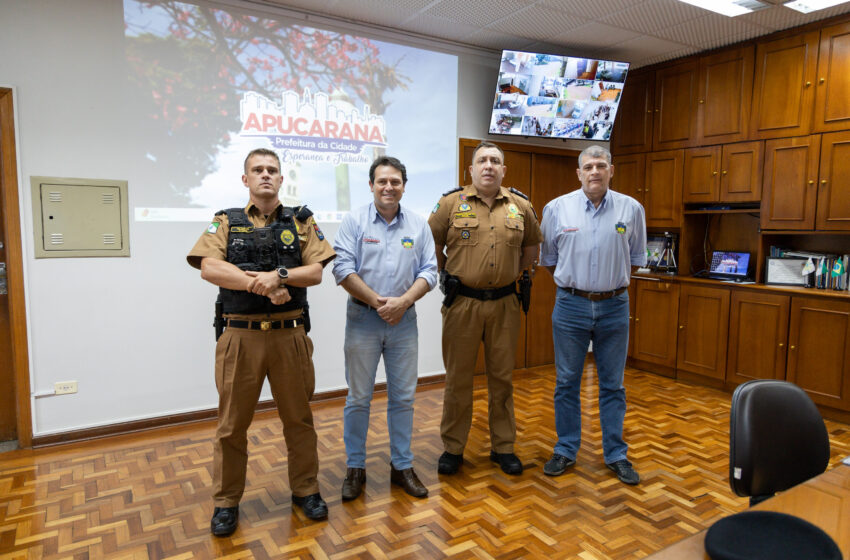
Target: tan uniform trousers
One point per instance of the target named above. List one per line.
(243, 359)
(465, 324)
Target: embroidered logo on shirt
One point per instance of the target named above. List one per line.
(287, 237)
(513, 212)
(464, 214)
(464, 234)
(407, 242)
(213, 227)
(463, 207)
(462, 197)
(371, 240)
(319, 233)
(436, 207)
(621, 228)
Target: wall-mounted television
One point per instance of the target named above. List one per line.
(556, 96)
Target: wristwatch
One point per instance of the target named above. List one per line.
(283, 274)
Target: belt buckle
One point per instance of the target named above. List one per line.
(265, 325)
(486, 295)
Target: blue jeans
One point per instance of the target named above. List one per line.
(367, 338)
(575, 322)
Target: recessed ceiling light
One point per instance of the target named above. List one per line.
(807, 6)
(729, 8)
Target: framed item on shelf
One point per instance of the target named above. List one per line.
(787, 271)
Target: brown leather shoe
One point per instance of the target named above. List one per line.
(352, 486)
(407, 479)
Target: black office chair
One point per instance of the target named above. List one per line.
(777, 439)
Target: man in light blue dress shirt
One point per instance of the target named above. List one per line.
(385, 261)
(592, 239)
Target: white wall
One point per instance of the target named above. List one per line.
(136, 332)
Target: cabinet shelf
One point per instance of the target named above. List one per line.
(729, 211)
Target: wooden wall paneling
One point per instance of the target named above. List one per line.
(758, 336)
(783, 91)
(832, 94)
(663, 189)
(633, 122)
(701, 182)
(741, 169)
(725, 96)
(789, 187)
(675, 122)
(833, 206)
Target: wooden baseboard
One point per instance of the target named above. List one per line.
(171, 420)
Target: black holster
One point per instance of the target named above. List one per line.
(218, 320)
(524, 294)
(449, 285)
(305, 313)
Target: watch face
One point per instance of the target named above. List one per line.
(282, 272)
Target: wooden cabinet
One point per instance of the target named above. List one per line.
(662, 196)
(728, 173)
(632, 302)
(633, 123)
(629, 175)
(724, 96)
(758, 336)
(655, 321)
(832, 93)
(675, 122)
(783, 89)
(789, 192)
(833, 196)
(703, 329)
(819, 349)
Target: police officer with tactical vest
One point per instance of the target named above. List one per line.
(490, 235)
(263, 257)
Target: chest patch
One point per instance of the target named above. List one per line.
(463, 207)
(621, 228)
(287, 237)
(407, 242)
(464, 234)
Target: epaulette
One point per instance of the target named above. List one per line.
(302, 213)
(454, 190)
(518, 193)
(220, 212)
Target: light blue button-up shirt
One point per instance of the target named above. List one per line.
(387, 257)
(593, 249)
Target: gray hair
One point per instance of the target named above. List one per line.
(595, 152)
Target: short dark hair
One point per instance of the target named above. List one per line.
(486, 144)
(392, 162)
(262, 152)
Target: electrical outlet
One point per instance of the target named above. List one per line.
(65, 387)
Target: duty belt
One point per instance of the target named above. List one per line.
(265, 325)
(487, 295)
(596, 296)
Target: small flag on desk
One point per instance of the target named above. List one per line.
(809, 267)
(838, 269)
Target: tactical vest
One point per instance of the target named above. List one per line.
(263, 249)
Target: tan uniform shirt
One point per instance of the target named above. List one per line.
(213, 243)
(483, 244)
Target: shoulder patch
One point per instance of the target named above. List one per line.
(518, 193)
(454, 190)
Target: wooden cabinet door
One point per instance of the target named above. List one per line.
(701, 182)
(783, 90)
(834, 178)
(703, 330)
(630, 175)
(741, 172)
(758, 334)
(675, 120)
(633, 121)
(551, 176)
(632, 302)
(819, 350)
(789, 192)
(662, 192)
(656, 312)
(725, 94)
(832, 94)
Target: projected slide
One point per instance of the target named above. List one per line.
(207, 85)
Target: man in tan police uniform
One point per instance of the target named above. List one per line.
(490, 234)
(263, 258)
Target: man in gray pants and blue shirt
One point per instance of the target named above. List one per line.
(385, 261)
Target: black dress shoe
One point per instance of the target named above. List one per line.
(352, 486)
(407, 479)
(449, 463)
(224, 521)
(313, 505)
(624, 471)
(557, 465)
(508, 461)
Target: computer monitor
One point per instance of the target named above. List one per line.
(729, 265)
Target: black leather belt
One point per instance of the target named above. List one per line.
(487, 295)
(361, 303)
(596, 296)
(265, 325)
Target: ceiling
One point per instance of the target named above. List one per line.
(641, 32)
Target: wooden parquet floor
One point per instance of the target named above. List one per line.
(148, 495)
